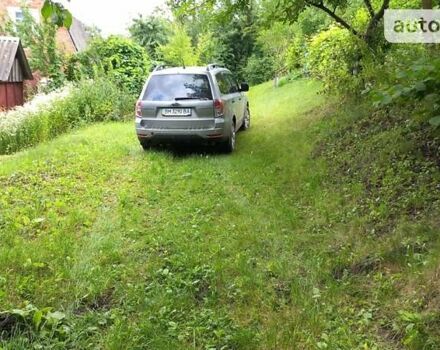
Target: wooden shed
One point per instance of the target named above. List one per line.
(14, 69)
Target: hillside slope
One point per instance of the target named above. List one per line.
(191, 249)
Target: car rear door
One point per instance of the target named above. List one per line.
(239, 99)
(228, 93)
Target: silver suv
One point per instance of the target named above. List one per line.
(190, 103)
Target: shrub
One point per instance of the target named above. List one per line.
(87, 102)
(334, 58)
(118, 59)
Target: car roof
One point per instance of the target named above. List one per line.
(188, 70)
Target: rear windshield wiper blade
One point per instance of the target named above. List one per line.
(190, 98)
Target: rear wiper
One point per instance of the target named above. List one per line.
(190, 98)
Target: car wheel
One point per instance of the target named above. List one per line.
(247, 120)
(229, 144)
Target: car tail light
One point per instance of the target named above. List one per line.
(138, 110)
(219, 106)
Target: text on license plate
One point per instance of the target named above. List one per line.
(176, 111)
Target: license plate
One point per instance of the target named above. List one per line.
(176, 112)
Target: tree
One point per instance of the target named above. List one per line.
(238, 39)
(233, 32)
(179, 50)
(427, 4)
(150, 32)
(259, 68)
(40, 39)
(207, 48)
(275, 43)
(289, 10)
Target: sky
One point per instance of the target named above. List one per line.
(111, 16)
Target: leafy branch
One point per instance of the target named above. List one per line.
(332, 13)
(375, 18)
(56, 13)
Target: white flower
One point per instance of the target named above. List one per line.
(12, 119)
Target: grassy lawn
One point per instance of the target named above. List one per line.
(168, 249)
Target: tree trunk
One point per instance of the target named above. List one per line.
(372, 26)
(427, 4)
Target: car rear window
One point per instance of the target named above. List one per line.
(169, 87)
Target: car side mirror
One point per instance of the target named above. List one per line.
(244, 87)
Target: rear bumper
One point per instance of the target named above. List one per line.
(169, 130)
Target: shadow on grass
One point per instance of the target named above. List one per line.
(186, 150)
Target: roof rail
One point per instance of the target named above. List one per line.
(213, 66)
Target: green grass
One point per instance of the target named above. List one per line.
(168, 249)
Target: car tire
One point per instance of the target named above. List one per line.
(247, 120)
(229, 145)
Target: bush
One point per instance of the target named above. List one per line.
(87, 102)
(334, 57)
(118, 59)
